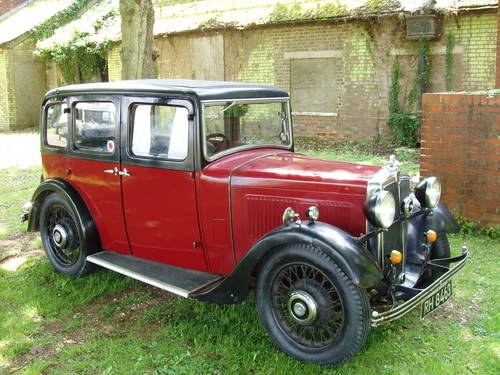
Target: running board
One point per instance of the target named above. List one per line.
(177, 280)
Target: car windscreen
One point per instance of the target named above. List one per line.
(240, 124)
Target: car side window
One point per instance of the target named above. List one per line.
(95, 126)
(159, 131)
(56, 125)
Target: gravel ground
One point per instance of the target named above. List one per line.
(19, 150)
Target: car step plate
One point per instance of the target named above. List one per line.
(437, 299)
(177, 280)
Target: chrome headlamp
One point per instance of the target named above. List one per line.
(380, 209)
(428, 192)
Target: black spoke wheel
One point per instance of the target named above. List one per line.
(61, 235)
(310, 307)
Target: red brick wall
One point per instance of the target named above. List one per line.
(460, 145)
(6, 5)
(498, 49)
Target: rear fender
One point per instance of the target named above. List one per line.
(71, 196)
(346, 251)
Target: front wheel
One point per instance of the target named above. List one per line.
(310, 308)
(62, 237)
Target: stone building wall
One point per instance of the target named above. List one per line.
(22, 86)
(338, 73)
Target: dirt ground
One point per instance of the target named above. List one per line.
(19, 150)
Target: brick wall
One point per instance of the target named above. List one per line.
(461, 146)
(360, 60)
(114, 64)
(498, 49)
(6, 5)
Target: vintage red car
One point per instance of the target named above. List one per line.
(194, 187)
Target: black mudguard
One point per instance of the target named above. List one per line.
(439, 220)
(350, 255)
(69, 193)
(442, 220)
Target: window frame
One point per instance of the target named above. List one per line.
(45, 143)
(232, 150)
(87, 153)
(129, 158)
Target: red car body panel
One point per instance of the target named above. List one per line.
(263, 188)
(213, 194)
(162, 217)
(102, 195)
(267, 181)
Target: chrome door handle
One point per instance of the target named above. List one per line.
(112, 171)
(124, 173)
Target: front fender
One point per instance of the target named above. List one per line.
(442, 220)
(346, 251)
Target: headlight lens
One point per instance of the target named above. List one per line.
(380, 209)
(428, 192)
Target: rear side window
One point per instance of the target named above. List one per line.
(95, 126)
(159, 131)
(56, 129)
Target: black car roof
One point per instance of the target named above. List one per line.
(204, 90)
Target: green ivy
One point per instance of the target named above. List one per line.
(82, 57)
(404, 125)
(450, 45)
(469, 228)
(423, 76)
(295, 12)
(47, 28)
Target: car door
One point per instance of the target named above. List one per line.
(158, 187)
(94, 163)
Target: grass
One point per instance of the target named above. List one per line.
(108, 324)
(16, 187)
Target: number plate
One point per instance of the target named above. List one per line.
(437, 299)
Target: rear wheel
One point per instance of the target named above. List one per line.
(310, 308)
(62, 237)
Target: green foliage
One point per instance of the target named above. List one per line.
(236, 110)
(395, 88)
(450, 45)
(82, 57)
(423, 76)
(468, 228)
(296, 12)
(372, 7)
(404, 126)
(215, 23)
(47, 28)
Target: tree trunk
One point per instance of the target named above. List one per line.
(137, 39)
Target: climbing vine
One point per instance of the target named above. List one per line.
(81, 57)
(47, 28)
(450, 45)
(425, 72)
(404, 125)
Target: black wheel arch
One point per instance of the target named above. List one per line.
(346, 251)
(73, 198)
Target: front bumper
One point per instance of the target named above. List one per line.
(422, 294)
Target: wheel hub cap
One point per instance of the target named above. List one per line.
(60, 236)
(302, 307)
